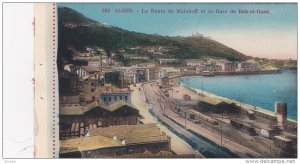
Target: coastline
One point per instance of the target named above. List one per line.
(244, 106)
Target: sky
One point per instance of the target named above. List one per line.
(271, 35)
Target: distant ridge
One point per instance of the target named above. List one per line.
(77, 31)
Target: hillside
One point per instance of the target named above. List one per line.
(78, 32)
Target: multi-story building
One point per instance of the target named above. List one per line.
(210, 67)
(229, 67)
(168, 61)
(128, 75)
(248, 66)
(195, 63)
(226, 66)
(134, 74)
(110, 97)
(87, 70)
(95, 63)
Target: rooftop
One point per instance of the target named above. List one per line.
(87, 143)
(90, 68)
(167, 59)
(117, 90)
(212, 101)
(80, 110)
(119, 104)
(283, 138)
(113, 136)
(133, 134)
(75, 99)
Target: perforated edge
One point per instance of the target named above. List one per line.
(54, 79)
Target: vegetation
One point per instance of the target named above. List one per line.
(113, 78)
(89, 33)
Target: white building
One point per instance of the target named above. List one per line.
(68, 67)
(168, 61)
(195, 63)
(129, 75)
(87, 70)
(94, 63)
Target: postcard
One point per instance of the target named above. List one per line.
(166, 80)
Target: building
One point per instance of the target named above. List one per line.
(188, 70)
(268, 132)
(248, 66)
(168, 61)
(104, 62)
(282, 142)
(200, 69)
(290, 64)
(207, 73)
(186, 97)
(211, 68)
(87, 70)
(90, 93)
(134, 74)
(217, 68)
(113, 95)
(229, 67)
(117, 141)
(69, 100)
(195, 63)
(142, 74)
(217, 105)
(75, 121)
(95, 63)
(162, 72)
(128, 75)
(225, 66)
(165, 81)
(153, 73)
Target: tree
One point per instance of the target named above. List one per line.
(114, 78)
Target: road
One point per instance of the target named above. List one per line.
(177, 144)
(162, 109)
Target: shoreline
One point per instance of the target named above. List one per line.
(209, 133)
(233, 73)
(244, 106)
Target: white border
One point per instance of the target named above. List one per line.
(25, 95)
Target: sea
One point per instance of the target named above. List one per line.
(261, 90)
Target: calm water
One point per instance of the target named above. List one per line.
(258, 90)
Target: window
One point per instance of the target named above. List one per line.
(121, 98)
(104, 99)
(115, 98)
(126, 98)
(109, 99)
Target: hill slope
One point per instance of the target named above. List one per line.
(77, 31)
